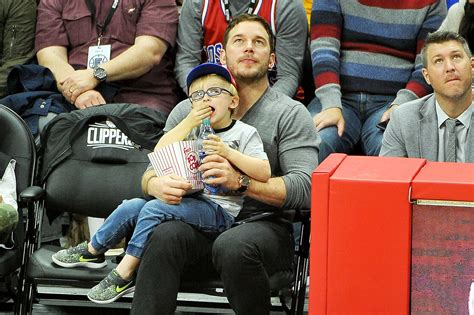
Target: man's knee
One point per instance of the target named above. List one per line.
(168, 235)
(232, 249)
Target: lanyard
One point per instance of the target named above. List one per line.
(101, 28)
(228, 14)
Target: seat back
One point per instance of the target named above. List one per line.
(16, 142)
(91, 160)
(94, 158)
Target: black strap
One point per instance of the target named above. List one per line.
(101, 28)
(228, 14)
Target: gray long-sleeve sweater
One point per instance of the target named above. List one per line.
(289, 139)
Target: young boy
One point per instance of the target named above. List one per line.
(213, 95)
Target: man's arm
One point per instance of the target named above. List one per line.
(217, 170)
(298, 150)
(291, 39)
(55, 59)
(393, 143)
(189, 41)
(137, 60)
(326, 29)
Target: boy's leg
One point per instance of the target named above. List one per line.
(119, 224)
(199, 212)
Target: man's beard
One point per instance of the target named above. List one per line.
(253, 77)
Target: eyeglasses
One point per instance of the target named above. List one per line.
(211, 92)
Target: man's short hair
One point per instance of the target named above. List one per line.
(440, 37)
(250, 18)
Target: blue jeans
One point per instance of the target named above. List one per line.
(362, 112)
(141, 217)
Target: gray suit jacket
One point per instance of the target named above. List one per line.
(413, 132)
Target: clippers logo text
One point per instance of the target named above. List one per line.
(107, 135)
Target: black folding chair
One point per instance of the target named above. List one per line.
(16, 142)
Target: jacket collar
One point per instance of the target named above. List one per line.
(428, 140)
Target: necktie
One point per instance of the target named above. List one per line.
(450, 153)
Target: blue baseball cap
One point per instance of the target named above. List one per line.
(209, 68)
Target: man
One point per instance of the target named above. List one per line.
(17, 36)
(126, 43)
(246, 255)
(422, 128)
(202, 24)
(365, 63)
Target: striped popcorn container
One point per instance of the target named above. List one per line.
(180, 158)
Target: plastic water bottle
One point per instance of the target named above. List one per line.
(204, 131)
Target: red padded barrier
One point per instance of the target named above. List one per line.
(444, 181)
(319, 224)
(367, 236)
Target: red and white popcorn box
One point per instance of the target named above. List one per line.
(180, 158)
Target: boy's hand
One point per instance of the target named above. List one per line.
(200, 111)
(215, 145)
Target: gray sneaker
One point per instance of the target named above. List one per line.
(111, 288)
(78, 256)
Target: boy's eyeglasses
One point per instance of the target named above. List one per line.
(211, 92)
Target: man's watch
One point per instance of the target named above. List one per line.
(244, 182)
(100, 74)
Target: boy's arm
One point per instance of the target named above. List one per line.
(178, 133)
(254, 167)
(181, 130)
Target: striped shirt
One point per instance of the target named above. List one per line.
(371, 46)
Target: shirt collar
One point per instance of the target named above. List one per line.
(464, 118)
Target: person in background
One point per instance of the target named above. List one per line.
(366, 61)
(438, 127)
(124, 43)
(460, 19)
(201, 29)
(17, 36)
(308, 4)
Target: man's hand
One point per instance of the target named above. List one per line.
(221, 171)
(170, 188)
(215, 145)
(77, 83)
(386, 114)
(330, 117)
(89, 99)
